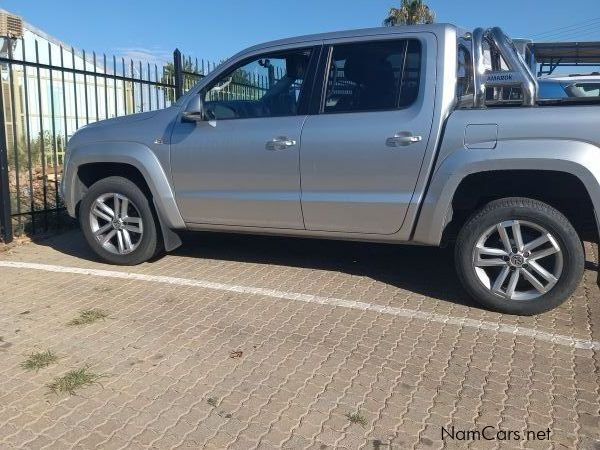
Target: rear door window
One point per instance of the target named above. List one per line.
(373, 76)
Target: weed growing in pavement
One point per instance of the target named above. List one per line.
(88, 316)
(39, 360)
(357, 417)
(73, 380)
(102, 289)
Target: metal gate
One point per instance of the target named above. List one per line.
(47, 92)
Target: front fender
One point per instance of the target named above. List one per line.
(131, 153)
(577, 158)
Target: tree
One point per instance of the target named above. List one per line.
(411, 12)
(168, 77)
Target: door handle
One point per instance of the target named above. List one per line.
(280, 143)
(402, 139)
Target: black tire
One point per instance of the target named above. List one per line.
(149, 244)
(518, 208)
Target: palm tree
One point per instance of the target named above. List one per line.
(411, 12)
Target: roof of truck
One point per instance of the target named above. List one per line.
(437, 28)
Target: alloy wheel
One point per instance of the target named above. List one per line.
(116, 223)
(518, 260)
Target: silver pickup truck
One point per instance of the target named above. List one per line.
(401, 135)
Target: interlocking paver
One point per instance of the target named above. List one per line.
(167, 349)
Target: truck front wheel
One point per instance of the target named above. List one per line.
(118, 222)
(519, 256)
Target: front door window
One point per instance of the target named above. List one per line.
(266, 86)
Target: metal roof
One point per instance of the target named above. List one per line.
(566, 52)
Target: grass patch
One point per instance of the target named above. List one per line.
(88, 316)
(357, 417)
(39, 360)
(73, 380)
(102, 289)
(212, 401)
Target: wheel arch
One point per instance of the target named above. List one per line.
(561, 190)
(577, 162)
(135, 161)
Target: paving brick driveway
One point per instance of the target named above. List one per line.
(325, 329)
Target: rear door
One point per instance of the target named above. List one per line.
(363, 147)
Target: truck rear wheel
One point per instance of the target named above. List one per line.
(118, 222)
(519, 256)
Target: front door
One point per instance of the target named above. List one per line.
(240, 167)
(362, 153)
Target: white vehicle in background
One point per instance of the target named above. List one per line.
(559, 67)
(570, 86)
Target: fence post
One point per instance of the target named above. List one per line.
(5, 219)
(178, 69)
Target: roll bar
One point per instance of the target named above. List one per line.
(501, 49)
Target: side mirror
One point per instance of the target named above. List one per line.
(194, 111)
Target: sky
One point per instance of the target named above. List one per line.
(215, 30)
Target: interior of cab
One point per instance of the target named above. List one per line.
(373, 76)
(361, 77)
(263, 87)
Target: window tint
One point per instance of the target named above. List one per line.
(373, 76)
(267, 86)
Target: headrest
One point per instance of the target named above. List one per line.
(363, 70)
(354, 70)
(295, 66)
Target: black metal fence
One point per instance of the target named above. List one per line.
(47, 92)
